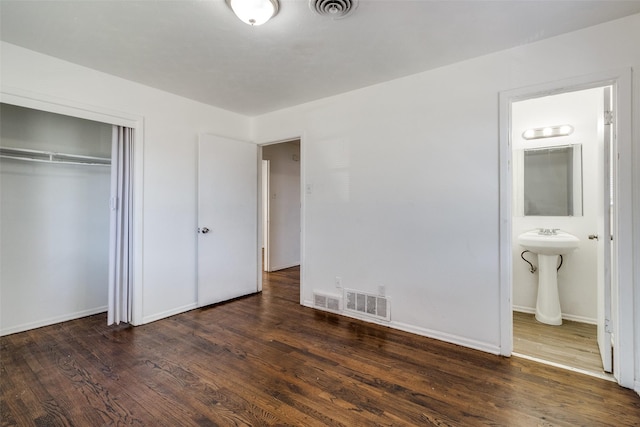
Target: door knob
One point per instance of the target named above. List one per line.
(203, 230)
(593, 237)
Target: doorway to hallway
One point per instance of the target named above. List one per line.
(281, 205)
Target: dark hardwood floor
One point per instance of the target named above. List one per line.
(266, 360)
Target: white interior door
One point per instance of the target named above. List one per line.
(227, 219)
(604, 242)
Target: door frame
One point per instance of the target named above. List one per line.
(622, 282)
(302, 206)
(266, 212)
(38, 101)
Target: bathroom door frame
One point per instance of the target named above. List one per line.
(622, 245)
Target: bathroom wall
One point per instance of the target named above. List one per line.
(577, 279)
(285, 204)
(54, 251)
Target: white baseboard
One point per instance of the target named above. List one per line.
(522, 309)
(429, 333)
(565, 316)
(169, 313)
(283, 266)
(52, 320)
(450, 338)
(636, 387)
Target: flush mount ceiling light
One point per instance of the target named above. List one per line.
(548, 132)
(254, 12)
(334, 9)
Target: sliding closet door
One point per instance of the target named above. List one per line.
(120, 304)
(227, 219)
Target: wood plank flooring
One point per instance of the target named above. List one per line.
(265, 360)
(572, 344)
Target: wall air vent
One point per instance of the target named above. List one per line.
(327, 302)
(335, 9)
(368, 304)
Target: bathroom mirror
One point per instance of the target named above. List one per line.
(551, 181)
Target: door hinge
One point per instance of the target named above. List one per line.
(608, 117)
(607, 326)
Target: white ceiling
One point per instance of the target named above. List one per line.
(200, 50)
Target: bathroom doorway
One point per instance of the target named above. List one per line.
(617, 334)
(561, 146)
(621, 324)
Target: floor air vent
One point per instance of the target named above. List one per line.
(327, 302)
(367, 304)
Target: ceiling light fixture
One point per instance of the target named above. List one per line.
(548, 132)
(254, 12)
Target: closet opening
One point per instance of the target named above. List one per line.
(57, 219)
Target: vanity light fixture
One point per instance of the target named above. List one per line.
(254, 12)
(548, 132)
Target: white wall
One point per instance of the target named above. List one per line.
(54, 221)
(284, 248)
(171, 128)
(405, 180)
(577, 279)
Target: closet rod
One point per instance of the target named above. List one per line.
(52, 157)
(65, 162)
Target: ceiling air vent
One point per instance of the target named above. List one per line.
(335, 9)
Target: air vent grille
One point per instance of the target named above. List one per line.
(335, 9)
(327, 302)
(368, 304)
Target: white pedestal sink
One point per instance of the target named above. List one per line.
(548, 244)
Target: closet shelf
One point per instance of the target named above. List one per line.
(52, 157)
